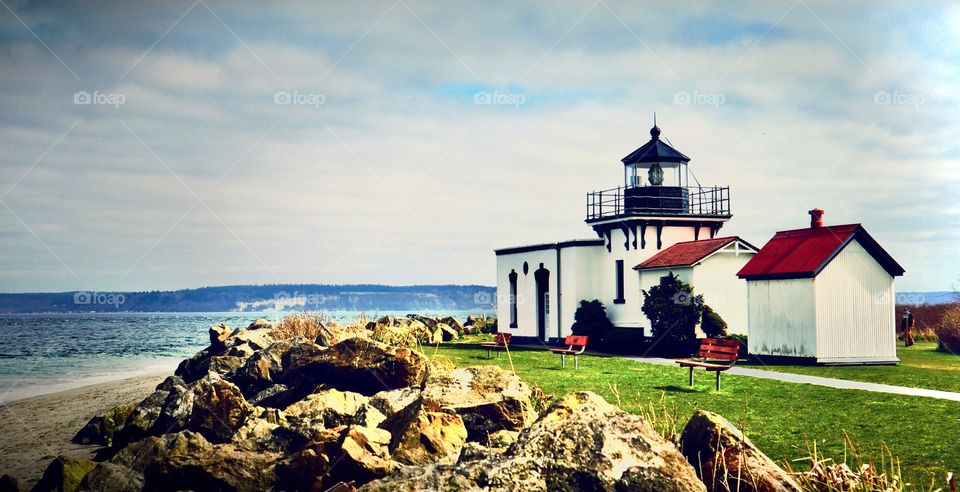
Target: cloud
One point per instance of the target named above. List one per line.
(380, 167)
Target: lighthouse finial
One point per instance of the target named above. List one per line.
(655, 131)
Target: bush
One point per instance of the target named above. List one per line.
(926, 320)
(300, 324)
(591, 320)
(712, 324)
(674, 312)
(948, 330)
(743, 343)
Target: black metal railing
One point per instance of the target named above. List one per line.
(694, 200)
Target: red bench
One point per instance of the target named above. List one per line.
(500, 342)
(576, 344)
(716, 354)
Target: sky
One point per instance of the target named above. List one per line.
(178, 144)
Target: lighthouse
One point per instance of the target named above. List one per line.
(657, 222)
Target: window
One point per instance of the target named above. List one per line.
(619, 287)
(513, 298)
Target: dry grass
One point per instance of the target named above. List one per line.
(949, 329)
(308, 325)
(853, 474)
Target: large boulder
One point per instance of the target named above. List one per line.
(309, 468)
(421, 436)
(453, 323)
(63, 474)
(142, 419)
(257, 338)
(110, 477)
(357, 364)
(392, 401)
(580, 443)
(333, 408)
(489, 399)
(364, 456)
(187, 461)
(261, 368)
(219, 409)
(447, 332)
(218, 333)
(100, 429)
(726, 460)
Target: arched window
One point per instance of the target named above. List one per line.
(513, 298)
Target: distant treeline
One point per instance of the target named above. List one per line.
(312, 297)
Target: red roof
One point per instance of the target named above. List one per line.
(805, 252)
(686, 253)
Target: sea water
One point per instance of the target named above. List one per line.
(47, 353)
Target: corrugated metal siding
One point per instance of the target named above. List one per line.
(855, 309)
(782, 317)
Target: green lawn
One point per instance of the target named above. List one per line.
(921, 366)
(781, 418)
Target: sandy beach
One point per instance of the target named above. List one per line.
(38, 429)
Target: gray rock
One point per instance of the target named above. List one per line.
(726, 460)
(109, 477)
(488, 399)
(580, 443)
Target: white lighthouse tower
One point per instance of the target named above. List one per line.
(540, 286)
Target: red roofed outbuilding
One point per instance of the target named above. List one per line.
(825, 294)
(710, 266)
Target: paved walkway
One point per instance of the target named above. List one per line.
(820, 381)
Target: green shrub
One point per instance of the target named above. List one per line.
(712, 324)
(948, 330)
(674, 312)
(743, 342)
(591, 320)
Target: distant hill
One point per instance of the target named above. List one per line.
(312, 297)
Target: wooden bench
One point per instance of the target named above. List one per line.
(500, 342)
(716, 354)
(576, 344)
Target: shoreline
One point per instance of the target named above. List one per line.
(16, 393)
(39, 428)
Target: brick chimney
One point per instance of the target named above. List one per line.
(816, 218)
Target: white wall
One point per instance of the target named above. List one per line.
(526, 291)
(782, 317)
(628, 315)
(855, 309)
(716, 278)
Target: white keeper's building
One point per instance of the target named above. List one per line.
(655, 223)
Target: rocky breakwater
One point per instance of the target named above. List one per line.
(264, 409)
